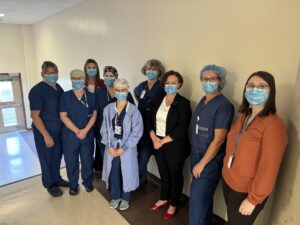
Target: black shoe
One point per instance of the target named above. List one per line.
(89, 188)
(63, 183)
(54, 191)
(73, 191)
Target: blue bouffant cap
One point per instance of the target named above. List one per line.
(218, 70)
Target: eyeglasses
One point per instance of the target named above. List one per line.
(259, 86)
(211, 79)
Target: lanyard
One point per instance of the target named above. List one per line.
(236, 140)
(243, 129)
(86, 102)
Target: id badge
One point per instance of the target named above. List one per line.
(118, 130)
(230, 160)
(143, 94)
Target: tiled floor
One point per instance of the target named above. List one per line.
(28, 203)
(18, 157)
(17, 160)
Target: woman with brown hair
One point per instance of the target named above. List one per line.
(254, 151)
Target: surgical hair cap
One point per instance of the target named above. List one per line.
(111, 69)
(218, 70)
(121, 82)
(77, 73)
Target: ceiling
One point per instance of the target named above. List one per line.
(32, 11)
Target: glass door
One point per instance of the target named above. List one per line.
(12, 114)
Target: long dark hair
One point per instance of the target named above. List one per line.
(97, 77)
(270, 107)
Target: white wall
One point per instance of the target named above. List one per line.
(243, 36)
(17, 56)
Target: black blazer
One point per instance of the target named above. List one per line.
(177, 123)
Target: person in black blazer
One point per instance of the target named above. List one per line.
(168, 127)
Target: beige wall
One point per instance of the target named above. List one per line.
(287, 198)
(17, 56)
(243, 36)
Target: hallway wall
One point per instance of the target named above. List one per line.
(17, 56)
(242, 36)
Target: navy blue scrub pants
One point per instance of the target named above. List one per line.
(73, 149)
(116, 181)
(202, 192)
(145, 150)
(50, 158)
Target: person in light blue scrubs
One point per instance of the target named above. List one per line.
(78, 112)
(146, 93)
(46, 126)
(105, 96)
(121, 131)
(210, 124)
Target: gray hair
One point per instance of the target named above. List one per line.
(121, 82)
(156, 64)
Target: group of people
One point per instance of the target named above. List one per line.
(246, 155)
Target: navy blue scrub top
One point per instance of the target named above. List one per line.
(118, 121)
(216, 114)
(145, 103)
(103, 99)
(79, 111)
(45, 98)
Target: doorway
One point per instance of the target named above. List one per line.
(12, 112)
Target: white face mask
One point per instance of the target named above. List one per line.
(91, 88)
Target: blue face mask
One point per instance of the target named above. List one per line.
(91, 72)
(109, 81)
(121, 95)
(78, 84)
(170, 89)
(256, 96)
(51, 78)
(151, 74)
(210, 87)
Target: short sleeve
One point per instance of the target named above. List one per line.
(35, 99)
(62, 104)
(224, 116)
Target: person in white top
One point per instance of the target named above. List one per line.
(168, 127)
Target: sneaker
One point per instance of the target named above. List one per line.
(89, 188)
(63, 183)
(54, 191)
(74, 191)
(114, 203)
(124, 205)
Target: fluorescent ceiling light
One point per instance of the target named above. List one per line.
(2, 15)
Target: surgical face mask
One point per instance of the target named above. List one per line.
(256, 96)
(210, 87)
(109, 81)
(51, 78)
(170, 89)
(78, 84)
(151, 74)
(91, 72)
(121, 95)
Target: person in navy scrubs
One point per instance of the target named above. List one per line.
(146, 93)
(46, 126)
(93, 82)
(210, 123)
(105, 96)
(78, 112)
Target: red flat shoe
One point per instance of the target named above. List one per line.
(154, 207)
(168, 216)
